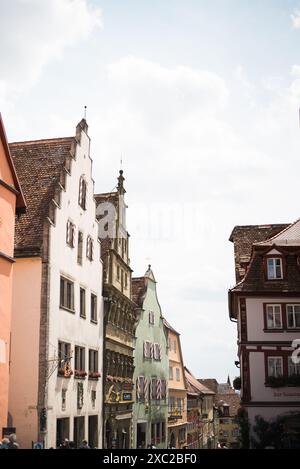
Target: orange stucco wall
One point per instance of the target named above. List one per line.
(25, 348)
(7, 221)
(6, 269)
(7, 226)
(5, 172)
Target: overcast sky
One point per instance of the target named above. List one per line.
(201, 98)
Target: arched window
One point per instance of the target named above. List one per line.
(82, 193)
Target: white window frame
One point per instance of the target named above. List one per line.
(278, 359)
(274, 313)
(293, 366)
(294, 315)
(274, 260)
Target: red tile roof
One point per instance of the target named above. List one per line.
(210, 383)
(195, 385)
(39, 165)
(233, 400)
(139, 287)
(168, 326)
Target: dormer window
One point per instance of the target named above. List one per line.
(82, 193)
(274, 268)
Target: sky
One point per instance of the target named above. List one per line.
(201, 101)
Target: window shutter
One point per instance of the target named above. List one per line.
(151, 350)
(158, 387)
(145, 349)
(146, 388)
(80, 191)
(138, 389)
(68, 232)
(73, 235)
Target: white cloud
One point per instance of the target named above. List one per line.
(295, 17)
(34, 32)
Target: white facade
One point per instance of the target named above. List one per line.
(261, 344)
(66, 326)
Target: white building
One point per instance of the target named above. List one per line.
(57, 319)
(266, 305)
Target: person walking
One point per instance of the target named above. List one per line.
(84, 445)
(13, 444)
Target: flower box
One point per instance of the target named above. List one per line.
(80, 374)
(64, 373)
(282, 381)
(94, 375)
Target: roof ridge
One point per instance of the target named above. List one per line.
(42, 140)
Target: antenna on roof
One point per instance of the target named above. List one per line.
(85, 108)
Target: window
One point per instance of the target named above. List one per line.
(66, 294)
(151, 318)
(82, 193)
(93, 398)
(274, 320)
(93, 361)
(118, 272)
(90, 248)
(153, 394)
(148, 349)
(170, 372)
(177, 374)
(225, 434)
(79, 358)
(157, 351)
(70, 234)
(294, 368)
(174, 346)
(126, 280)
(293, 316)
(274, 265)
(80, 247)
(64, 356)
(275, 367)
(82, 303)
(93, 308)
(141, 388)
(63, 399)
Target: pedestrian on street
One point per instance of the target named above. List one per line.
(84, 445)
(4, 443)
(13, 444)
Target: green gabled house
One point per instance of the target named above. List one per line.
(150, 410)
